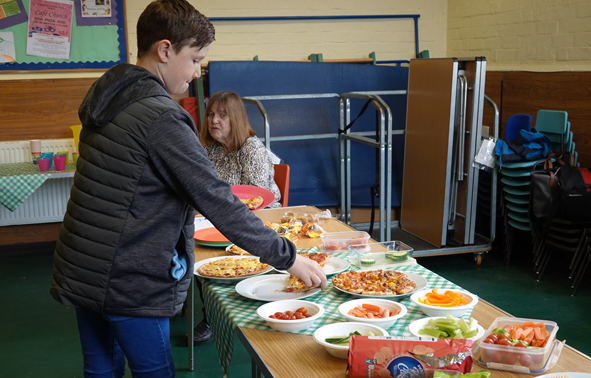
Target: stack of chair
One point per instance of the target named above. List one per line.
(566, 237)
(515, 177)
(515, 182)
(580, 261)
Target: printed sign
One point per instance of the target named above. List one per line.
(50, 29)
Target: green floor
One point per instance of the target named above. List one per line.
(38, 337)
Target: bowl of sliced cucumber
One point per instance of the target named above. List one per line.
(335, 337)
(447, 327)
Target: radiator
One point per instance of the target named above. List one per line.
(48, 203)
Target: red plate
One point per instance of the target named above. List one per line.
(210, 235)
(251, 191)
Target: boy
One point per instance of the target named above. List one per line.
(124, 257)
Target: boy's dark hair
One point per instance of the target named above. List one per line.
(175, 20)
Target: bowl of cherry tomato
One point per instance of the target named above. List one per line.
(290, 315)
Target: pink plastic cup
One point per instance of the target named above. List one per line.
(60, 162)
(43, 164)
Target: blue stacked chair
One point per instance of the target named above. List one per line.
(516, 123)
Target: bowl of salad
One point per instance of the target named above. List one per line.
(335, 337)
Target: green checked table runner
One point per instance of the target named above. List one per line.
(18, 181)
(230, 310)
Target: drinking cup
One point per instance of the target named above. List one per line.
(35, 147)
(48, 155)
(60, 162)
(64, 153)
(75, 157)
(43, 163)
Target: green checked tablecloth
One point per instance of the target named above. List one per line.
(233, 310)
(18, 181)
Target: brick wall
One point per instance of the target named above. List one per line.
(390, 39)
(522, 34)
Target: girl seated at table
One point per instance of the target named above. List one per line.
(239, 157)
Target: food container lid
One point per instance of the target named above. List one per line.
(550, 362)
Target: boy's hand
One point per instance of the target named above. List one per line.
(308, 271)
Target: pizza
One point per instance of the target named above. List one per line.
(295, 284)
(320, 258)
(236, 250)
(374, 282)
(253, 203)
(233, 268)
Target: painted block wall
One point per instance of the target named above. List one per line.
(542, 35)
(390, 39)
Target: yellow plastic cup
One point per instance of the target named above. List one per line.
(76, 133)
(75, 157)
(64, 153)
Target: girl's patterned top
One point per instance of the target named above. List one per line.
(251, 165)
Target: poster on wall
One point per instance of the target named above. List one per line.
(96, 8)
(7, 52)
(106, 12)
(50, 29)
(12, 12)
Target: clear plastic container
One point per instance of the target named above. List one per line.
(296, 216)
(340, 241)
(523, 360)
(377, 255)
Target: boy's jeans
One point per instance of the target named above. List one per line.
(107, 339)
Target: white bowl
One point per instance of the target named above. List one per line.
(419, 324)
(292, 305)
(437, 311)
(344, 329)
(383, 303)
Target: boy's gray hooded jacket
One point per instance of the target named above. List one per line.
(140, 175)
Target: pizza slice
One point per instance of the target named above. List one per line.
(295, 284)
(253, 203)
(320, 258)
(236, 250)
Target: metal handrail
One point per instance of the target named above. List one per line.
(385, 160)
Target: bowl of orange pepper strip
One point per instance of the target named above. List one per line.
(442, 302)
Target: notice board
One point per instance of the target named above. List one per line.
(92, 46)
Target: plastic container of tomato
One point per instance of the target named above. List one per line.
(340, 241)
(531, 360)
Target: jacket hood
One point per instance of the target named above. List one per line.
(118, 88)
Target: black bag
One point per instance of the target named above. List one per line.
(575, 193)
(544, 197)
(558, 190)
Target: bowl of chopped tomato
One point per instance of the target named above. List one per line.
(380, 312)
(443, 302)
(290, 315)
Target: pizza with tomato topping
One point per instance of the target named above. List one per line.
(233, 267)
(253, 203)
(374, 282)
(320, 258)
